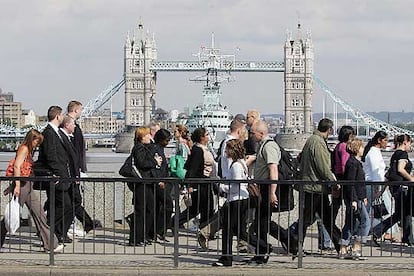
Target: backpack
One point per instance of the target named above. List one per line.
(288, 169)
(218, 159)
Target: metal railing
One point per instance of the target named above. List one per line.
(172, 228)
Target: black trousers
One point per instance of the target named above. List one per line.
(403, 213)
(78, 209)
(163, 210)
(63, 212)
(143, 217)
(202, 203)
(263, 224)
(235, 213)
(319, 203)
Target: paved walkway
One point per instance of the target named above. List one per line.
(104, 253)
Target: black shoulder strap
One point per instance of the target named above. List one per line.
(264, 144)
(219, 150)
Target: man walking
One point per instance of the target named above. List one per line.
(266, 168)
(53, 155)
(77, 141)
(315, 166)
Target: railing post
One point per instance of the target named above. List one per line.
(300, 231)
(176, 221)
(52, 222)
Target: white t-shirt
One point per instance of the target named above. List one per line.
(374, 165)
(236, 191)
(226, 161)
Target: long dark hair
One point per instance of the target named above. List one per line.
(400, 139)
(32, 135)
(374, 141)
(345, 133)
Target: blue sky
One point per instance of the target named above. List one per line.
(55, 51)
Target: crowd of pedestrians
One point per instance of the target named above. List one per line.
(247, 153)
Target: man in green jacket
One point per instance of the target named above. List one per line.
(315, 166)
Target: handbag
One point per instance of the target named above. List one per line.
(25, 168)
(128, 169)
(177, 166)
(12, 215)
(379, 208)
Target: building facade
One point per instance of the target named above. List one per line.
(299, 60)
(10, 111)
(139, 53)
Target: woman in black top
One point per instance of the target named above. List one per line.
(141, 221)
(162, 191)
(200, 164)
(355, 198)
(400, 169)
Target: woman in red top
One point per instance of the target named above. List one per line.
(23, 190)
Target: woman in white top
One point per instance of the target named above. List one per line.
(374, 167)
(237, 197)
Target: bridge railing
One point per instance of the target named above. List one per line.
(195, 232)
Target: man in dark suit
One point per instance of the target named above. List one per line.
(66, 131)
(74, 111)
(53, 155)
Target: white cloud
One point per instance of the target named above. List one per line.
(73, 49)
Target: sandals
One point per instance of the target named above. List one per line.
(388, 237)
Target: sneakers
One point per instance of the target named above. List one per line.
(343, 252)
(58, 248)
(356, 250)
(76, 232)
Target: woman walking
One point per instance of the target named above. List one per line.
(374, 167)
(400, 170)
(24, 191)
(235, 211)
(142, 220)
(355, 198)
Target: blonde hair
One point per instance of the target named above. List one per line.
(354, 145)
(140, 133)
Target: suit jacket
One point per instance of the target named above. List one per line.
(72, 154)
(79, 143)
(53, 156)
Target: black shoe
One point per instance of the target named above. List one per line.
(96, 224)
(259, 260)
(119, 221)
(64, 240)
(162, 238)
(375, 240)
(220, 264)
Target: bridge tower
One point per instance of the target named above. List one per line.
(139, 54)
(298, 83)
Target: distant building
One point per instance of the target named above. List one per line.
(10, 111)
(298, 83)
(139, 53)
(103, 122)
(28, 118)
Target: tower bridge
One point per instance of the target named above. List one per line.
(140, 76)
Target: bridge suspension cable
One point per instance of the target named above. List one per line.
(96, 103)
(359, 115)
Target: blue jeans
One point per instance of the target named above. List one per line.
(355, 225)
